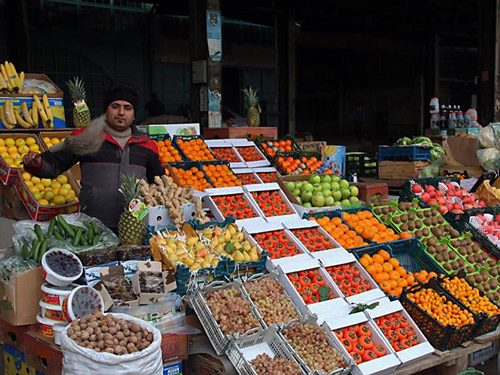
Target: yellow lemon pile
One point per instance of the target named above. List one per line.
(50, 192)
(13, 150)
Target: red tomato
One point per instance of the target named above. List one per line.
(379, 350)
(364, 330)
(369, 355)
(366, 342)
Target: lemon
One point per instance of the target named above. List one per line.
(26, 176)
(23, 149)
(29, 184)
(58, 200)
(62, 179)
(46, 140)
(62, 191)
(3, 149)
(46, 182)
(43, 202)
(48, 194)
(30, 141)
(2, 142)
(33, 189)
(35, 179)
(34, 148)
(20, 142)
(55, 184)
(37, 195)
(12, 149)
(40, 186)
(10, 142)
(55, 141)
(66, 186)
(70, 197)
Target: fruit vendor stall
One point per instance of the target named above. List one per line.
(249, 257)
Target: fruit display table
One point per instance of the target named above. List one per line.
(241, 132)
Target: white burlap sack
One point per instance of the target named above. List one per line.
(82, 361)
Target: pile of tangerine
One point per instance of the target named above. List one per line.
(195, 149)
(167, 152)
(346, 237)
(221, 175)
(191, 177)
(369, 227)
(271, 147)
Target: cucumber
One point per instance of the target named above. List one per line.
(26, 252)
(39, 232)
(90, 235)
(96, 239)
(67, 228)
(96, 229)
(43, 249)
(35, 250)
(77, 238)
(59, 236)
(52, 226)
(60, 228)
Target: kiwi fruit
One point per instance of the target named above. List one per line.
(447, 267)
(485, 274)
(439, 258)
(440, 220)
(455, 243)
(461, 262)
(446, 257)
(437, 232)
(469, 250)
(434, 220)
(470, 279)
(404, 218)
(404, 227)
(452, 255)
(419, 224)
(426, 231)
(396, 220)
(427, 214)
(455, 233)
(411, 216)
(419, 233)
(411, 226)
(469, 269)
(462, 251)
(454, 265)
(493, 283)
(431, 250)
(420, 214)
(470, 259)
(432, 241)
(494, 272)
(378, 211)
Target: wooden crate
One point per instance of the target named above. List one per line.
(400, 170)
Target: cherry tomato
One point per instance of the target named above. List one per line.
(379, 350)
(356, 357)
(369, 355)
(366, 342)
(358, 348)
(364, 330)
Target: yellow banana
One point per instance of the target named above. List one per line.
(3, 84)
(26, 113)
(34, 113)
(4, 120)
(21, 121)
(45, 119)
(11, 75)
(8, 110)
(21, 81)
(16, 76)
(48, 110)
(5, 75)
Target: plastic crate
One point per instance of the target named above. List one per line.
(411, 255)
(411, 153)
(175, 142)
(219, 340)
(486, 324)
(267, 341)
(441, 337)
(294, 154)
(407, 194)
(187, 165)
(362, 163)
(259, 142)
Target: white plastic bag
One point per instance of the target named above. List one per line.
(82, 361)
(489, 136)
(489, 158)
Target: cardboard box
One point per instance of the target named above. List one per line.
(56, 105)
(334, 157)
(21, 295)
(463, 150)
(241, 171)
(14, 362)
(108, 274)
(10, 175)
(168, 281)
(174, 347)
(158, 216)
(45, 213)
(41, 77)
(11, 205)
(43, 354)
(174, 129)
(400, 170)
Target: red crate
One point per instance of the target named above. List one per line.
(370, 190)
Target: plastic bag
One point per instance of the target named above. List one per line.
(432, 170)
(489, 158)
(79, 360)
(489, 136)
(24, 234)
(14, 264)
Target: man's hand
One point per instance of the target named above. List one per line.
(32, 160)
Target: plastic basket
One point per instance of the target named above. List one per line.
(268, 339)
(362, 163)
(441, 337)
(486, 323)
(411, 153)
(219, 340)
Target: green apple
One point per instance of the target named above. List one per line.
(299, 201)
(345, 203)
(335, 186)
(290, 185)
(307, 204)
(326, 178)
(317, 188)
(299, 184)
(344, 184)
(337, 195)
(318, 200)
(335, 178)
(329, 201)
(306, 196)
(345, 193)
(307, 187)
(315, 179)
(325, 186)
(354, 200)
(354, 191)
(296, 192)
(327, 193)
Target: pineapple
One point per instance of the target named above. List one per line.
(131, 230)
(81, 112)
(253, 111)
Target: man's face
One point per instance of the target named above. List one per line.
(120, 115)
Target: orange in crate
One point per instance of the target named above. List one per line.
(191, 177)
(346, 238)
(195, 149)
(221, 175)
(167, 152)
(299, 165)
(271, 147)
(369, 227)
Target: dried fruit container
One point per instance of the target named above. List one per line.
(61, 267)
(54, 295)
(82, 301)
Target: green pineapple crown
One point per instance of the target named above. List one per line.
(129, 187)
(77, 89)
(251, 97)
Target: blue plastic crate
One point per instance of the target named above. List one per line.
(404, 153)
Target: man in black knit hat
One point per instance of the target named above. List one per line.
(109, 147)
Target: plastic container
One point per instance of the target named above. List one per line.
(80, 302)
(411, 153)
(52, 312)
(46, 325)
(53, 277)
(54, 295)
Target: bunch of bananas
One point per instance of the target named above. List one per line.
(9, 79)
(27, 118)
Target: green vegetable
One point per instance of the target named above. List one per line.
(36, 250)
(362, 307)
(52, 226)
(60, 228)
(229, 248)
(324, 293)
(59, 236)
(26, 252)
(90, 234)
(96, 239)
(77, 238)
(67, 228)
(43, 249)
(39, 232)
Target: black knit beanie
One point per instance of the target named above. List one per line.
(121, 91)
